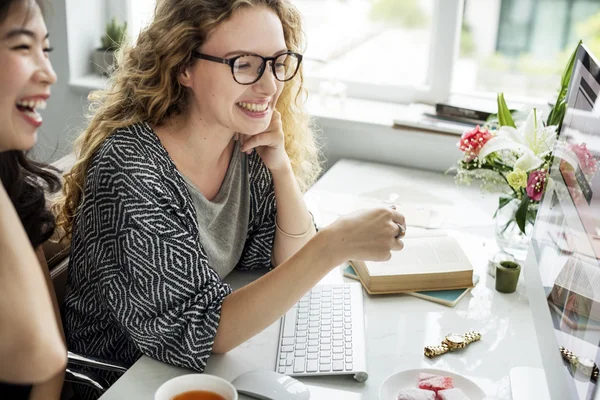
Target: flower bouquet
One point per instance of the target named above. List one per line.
(515, 159)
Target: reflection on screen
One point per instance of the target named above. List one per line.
(567, 231)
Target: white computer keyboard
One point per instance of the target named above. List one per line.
(324, 334)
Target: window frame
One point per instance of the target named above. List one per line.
(445, 40)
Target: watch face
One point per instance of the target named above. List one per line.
(455, 338)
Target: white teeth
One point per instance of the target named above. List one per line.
(34, 115)
(33, 104)
(253, 106)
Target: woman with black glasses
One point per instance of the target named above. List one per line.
(194, 164)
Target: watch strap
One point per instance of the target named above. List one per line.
(434, 351)
(471, 337)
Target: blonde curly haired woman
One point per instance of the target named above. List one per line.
(194, 164)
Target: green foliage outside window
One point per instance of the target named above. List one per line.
(406, 13)
(589, 31)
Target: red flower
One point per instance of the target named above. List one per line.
(471, 142)
(586, 159)
(536, 184)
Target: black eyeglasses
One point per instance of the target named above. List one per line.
(249, 68)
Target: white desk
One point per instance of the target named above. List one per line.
(397, 326)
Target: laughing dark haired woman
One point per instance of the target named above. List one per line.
(32, 351)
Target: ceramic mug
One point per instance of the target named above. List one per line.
(187, 383)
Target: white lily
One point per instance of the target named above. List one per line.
(532, 140)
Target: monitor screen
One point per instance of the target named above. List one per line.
(562, 270)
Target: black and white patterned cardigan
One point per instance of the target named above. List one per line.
(139, 281)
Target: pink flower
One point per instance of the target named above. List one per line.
(536, 184)
(471, 142)
(586, 159)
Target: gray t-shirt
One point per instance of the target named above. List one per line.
(223, 222)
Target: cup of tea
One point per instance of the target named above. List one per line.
(196, 387)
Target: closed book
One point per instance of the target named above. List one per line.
(448, 298)
(448, 110)
(425, 263)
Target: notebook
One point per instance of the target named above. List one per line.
(445, 297)
(426, 263)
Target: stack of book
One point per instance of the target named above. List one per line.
(434, 268)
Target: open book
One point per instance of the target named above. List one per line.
(425, 263)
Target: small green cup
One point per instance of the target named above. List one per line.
(507, 276)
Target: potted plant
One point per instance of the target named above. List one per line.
(103, 58)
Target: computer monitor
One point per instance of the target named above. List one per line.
(562, 269)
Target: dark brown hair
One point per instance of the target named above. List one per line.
(27, 181)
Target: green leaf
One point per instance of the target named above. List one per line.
(504, 116)
(569, 68)
(557, 114)
(502, 201)
(521, 214)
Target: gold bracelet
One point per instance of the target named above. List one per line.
(300, 235)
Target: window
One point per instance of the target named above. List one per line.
(425, 50)
(521, 47)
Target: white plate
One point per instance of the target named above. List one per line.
(410, 378)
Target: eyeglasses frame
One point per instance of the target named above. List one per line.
(231, 62)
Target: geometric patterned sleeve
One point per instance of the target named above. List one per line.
(153, 274)
(263, 212)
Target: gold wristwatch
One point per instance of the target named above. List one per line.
(452, 342)
(584, 365)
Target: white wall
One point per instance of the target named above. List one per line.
(64, 116)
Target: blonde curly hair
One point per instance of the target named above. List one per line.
(144, 87)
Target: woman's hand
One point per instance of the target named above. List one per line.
(269, 145)
(368, 235)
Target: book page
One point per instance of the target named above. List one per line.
(422, 256)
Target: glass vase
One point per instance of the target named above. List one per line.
(509, 236)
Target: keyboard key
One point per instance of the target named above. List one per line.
(282, 370)
(346, 326)
(314, 318)
(287, 341)
(302, 327)
(289, 323)
(313, 349)
(313, 324)
(348, 352)
(282, 363)
(338, 343)
(302, 315)
(348, 345)
(348, 332)
(338, 318)
(325, 354)
(338, 356)
(312, 356)
(324, 367)
(300, 353)
(338, 337)
(311, 366)
(301, 346)
(289, 362)
(299, 364)
(313, 330)
(283, 356)
(325, 347)
(300, 340)
(325, 360)
(301, 334)
(338, 350)
(287, 349)
(348, 366)
(325, 334)
(337, 331)
(325, 340)
(338, 366)
(348, 360)
(313, 336)
(313, 342)
(337, 325)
